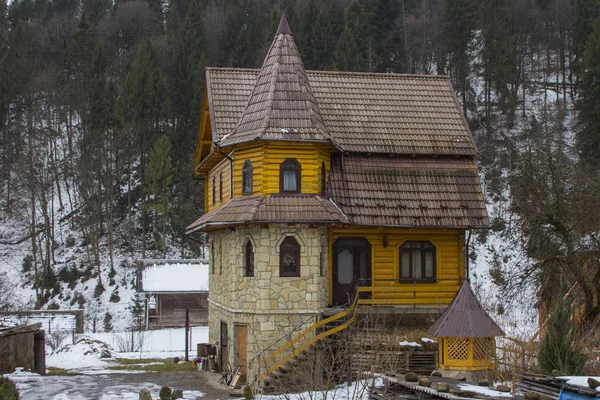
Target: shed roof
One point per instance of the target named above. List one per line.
(465, 318)
(399, 191)
(262, 209)
(281, 105)
(181, 277)
(362, 112)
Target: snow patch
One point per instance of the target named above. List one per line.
(175, 278)
(410, 344)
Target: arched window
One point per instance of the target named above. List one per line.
(221, 187)
(289, 176)
(247, 178)
(289, 257)
(323, 178)
(417, 261)
(214, 191)
(249, 259)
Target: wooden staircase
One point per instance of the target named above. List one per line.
(317, 352)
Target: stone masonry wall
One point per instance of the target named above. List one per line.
(271, 306)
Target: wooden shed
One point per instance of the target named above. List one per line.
(171, 288)
(23, 346)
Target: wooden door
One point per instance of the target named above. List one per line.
(351, 267)
(242, 348)
(224, 350)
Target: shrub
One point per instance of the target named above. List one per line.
(98, 290)
(558, 350)
(70, 242)
(165, 393)
(8, 390)
(114, 296)
(56, 339)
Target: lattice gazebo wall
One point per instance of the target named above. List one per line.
(469, 354)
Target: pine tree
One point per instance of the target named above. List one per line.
(137, 309)
(558, 350)
(158, 189)
(588, 138)
(459, 23)
(107, 324)
(347, 53)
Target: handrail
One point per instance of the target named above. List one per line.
(311, 341)
(287, 334)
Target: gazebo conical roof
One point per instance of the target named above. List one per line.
(465, 317)
(282, 105)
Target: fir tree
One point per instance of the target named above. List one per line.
(558, 350)
(347, 53)
(158, 189)
(137, 309)
(588, 138)
(108, 326)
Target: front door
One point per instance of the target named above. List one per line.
(241, 347)
(351, 267)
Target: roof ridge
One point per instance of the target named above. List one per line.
(323, 72)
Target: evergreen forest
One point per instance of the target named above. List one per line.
(100, 104)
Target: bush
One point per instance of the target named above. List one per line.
(70, 241)
(114, 296)
(56, 339)
(165, 393)
(8, 390)
(558, 350)
(98, 290)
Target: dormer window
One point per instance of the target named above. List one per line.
(289, 174)
(247, 178)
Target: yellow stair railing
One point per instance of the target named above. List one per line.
(311, 341)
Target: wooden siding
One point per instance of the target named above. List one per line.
(253, 153)
(309, 155)
(170, 311)
(222, 167)
(385, 266)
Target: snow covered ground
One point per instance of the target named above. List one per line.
(90, 356)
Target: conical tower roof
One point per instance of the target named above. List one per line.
(282, 105)
(465, 318)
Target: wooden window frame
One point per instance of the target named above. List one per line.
(249, 262)
(247, 171)
(214, 191)
(221, 187)
(426, 247)
(289, 245)
(290, 164)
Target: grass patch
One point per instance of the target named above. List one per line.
(158, 365)
(59, 371)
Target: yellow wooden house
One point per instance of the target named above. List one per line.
(326, 190)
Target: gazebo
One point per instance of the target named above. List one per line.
(466, 336)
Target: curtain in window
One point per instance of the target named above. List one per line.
(289, 180)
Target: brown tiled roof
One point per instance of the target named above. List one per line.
(465, 318)
(265, 209)
(363, 112)
(394, 191)
(281, 105)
